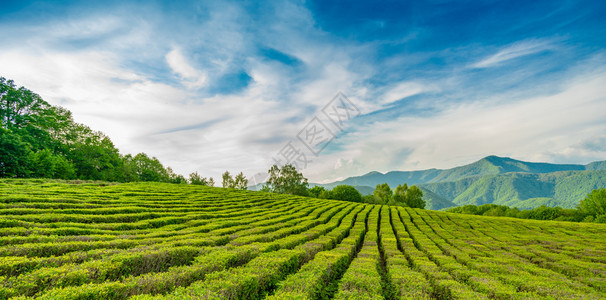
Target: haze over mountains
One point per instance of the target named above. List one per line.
(493, 179)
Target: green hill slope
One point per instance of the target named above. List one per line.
(392, 178)
(176, 241)
(498, 180)
(435, 201)
(522, 190)
(493, 165)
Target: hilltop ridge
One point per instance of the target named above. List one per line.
(494, 179)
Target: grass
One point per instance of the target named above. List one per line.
(94, 240)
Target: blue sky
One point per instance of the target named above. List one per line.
(210, 86)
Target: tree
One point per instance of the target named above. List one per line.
(346, 193)
(175, 178)
(382, 193)
(240, 182)
(316, 191)
(287, 180)
(371, 199)
(594, 204)
(44, 164)
(325, 194)
(14, 155)
(414, 197)
(96, 158)
(196, 179)
(410, 197)
(399, 195)
(144, 168)
(228, 180)
(41, 140)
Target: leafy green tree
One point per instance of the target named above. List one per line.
(228, 180)
(382, 193)
(175, 178)
(594, 204)
(408, 196)
(316, 191)
(399, 195)
(287, 180)
(325, 194)
(196, 179)
(146, 168)
(40, 140)
(414, 197)
(346, 193)
(96, 158)
(371, 199)
(14, 155)
(44, 164)
(240, 182)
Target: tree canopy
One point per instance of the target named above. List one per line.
(239, 182)
(345, 193)
(286, 180)
(594, 204)
(43, 141)
(316, 191)
(382, 193)
(408, 196)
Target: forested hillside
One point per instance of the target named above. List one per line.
(43, 141)
(523, 190)
(498, 180)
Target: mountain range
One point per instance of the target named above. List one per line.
(493, 179)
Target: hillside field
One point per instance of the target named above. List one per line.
(63, 240)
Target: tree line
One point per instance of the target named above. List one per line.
(287, 180)
(590, 209)
(38, 140)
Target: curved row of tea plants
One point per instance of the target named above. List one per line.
(60, 240)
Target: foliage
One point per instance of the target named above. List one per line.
(287, 180)
(497, 180)
(196, 179)
(228, 180)
(43, 141)
(539, 213)
(96, 240)
(316, 191)
(522, 190)
(382, 193)
(240, 182)
(595, 203)
(410, 197)
(345, 193)
(175, 178)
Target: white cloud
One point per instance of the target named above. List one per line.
(403, 90)
(534, 128)
(193, 78)
(191, 129)
(513, 51)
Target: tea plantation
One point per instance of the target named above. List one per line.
(63, 240)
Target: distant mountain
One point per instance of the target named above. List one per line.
(435, 201)
(522, 190)
(392, 178)
(493, 179)
(490, 165)
(493, 165)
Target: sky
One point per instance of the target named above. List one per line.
(339, 88)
